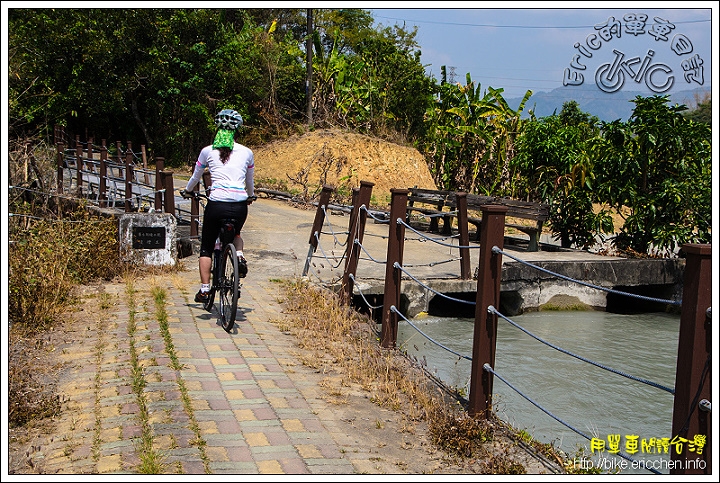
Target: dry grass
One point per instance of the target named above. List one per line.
(349, 351)
(54, 245)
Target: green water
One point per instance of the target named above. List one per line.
(592, 400)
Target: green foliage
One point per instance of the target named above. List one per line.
(702, 113)
(658, 164)
(368, 80)
(158, 76)
(555, 165)
(470, 138)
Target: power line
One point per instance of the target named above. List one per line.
(553, 27)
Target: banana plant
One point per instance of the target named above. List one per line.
(473, 137)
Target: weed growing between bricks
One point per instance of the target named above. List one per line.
(151, 461)
(160, 296)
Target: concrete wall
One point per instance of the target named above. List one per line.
(525, 288)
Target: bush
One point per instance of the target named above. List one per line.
(48, 257)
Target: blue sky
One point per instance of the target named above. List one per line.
(520, 48)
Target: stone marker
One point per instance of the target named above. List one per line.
(148, 238)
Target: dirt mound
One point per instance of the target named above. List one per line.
(303, 163)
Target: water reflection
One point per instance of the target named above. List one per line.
(594, 401)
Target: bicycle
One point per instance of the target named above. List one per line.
(224, 272)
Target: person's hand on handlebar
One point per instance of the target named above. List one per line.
(251, 199)
(186, 194)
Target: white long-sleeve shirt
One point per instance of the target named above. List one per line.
(232, 181)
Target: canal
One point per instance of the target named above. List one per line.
(590, 399)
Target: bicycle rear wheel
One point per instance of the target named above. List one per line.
(228, 288)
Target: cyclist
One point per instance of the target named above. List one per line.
(231, 168)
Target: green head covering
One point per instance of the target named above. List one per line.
(225, 138)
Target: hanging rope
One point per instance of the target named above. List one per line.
(490, 370)
(492, 310)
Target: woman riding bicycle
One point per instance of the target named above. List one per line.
(231, 168)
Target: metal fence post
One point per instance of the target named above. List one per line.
(317, 224)
(353, 249)
(60, 167)
(692, 422)
(492, 233)
(393, 275)
(159, 167)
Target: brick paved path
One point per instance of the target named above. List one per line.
(155, 378)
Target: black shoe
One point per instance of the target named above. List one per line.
(242, 267)
(202, 297)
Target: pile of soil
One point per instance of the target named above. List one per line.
(302, 164)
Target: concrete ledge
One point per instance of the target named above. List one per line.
(524, 288)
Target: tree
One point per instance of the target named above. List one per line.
(470, 137)
(557, 167)
(703, 111)
(658, 165)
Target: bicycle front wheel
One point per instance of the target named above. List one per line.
(228, 288)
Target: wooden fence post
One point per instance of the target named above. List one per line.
(79, 166)
(207, 182)
(118, 152)
(692, 423)
(492, 233)
(89, 156)
(144, 162)
(128, 181)
(353, 249)
(169, 192)
(194, 213)
(317, 224)
(464, 236)
(393, 275)
(353, 215)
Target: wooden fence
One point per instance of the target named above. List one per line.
(691, 411)
(119, 179)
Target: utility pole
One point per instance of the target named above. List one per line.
(308, 53)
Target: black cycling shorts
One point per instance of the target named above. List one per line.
(215, 212)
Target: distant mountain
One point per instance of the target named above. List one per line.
(607, 107)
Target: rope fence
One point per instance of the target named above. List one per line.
(491, 253)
